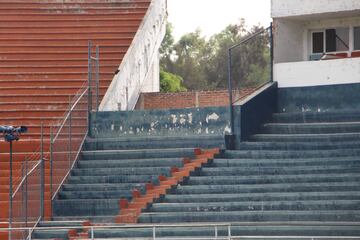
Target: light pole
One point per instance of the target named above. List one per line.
(11, 134)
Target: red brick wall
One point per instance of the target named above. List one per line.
(149, 101)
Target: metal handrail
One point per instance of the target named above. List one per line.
(24, 178)
(229, 235)
(230, 87)
(67, 114)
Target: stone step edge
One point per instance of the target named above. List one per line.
(130, 211)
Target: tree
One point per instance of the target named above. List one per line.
(170, 82)
(203, 64)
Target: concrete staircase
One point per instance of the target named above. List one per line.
(112, 173)
(300, 176)
(43, 48)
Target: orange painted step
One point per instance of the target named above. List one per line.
(5, 91)
(38, 113)
(93, 10)
(74, 4)
(54, 42)
(49, 75)
(55, 54)
(17, 121)
(48, 17)
(69, 35)
(61, 69)
(50, 83)
(67, 48)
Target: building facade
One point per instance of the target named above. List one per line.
(316, 43)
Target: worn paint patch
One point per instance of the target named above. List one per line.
(174, 118)
(212, 117)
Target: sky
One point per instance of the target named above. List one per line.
(212, 16)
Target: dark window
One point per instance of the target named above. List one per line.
(318, 42)
(331, 40)
(357, 38)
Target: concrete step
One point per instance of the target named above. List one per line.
(310, 128)
(86, 207)
(92, 195)
(310, 138)
(251, 216)
(278, 154)
(308, 205)
(300, 146)
(263, 178)
(223, 162)
(267, 188)
(112, 179)
(313, 117)
(151, 162)
(260, 197)
(102, 187)
(154, 142)
(122, 171)
(260, 171)
(136, 154)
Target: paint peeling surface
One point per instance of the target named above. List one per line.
(194, 121)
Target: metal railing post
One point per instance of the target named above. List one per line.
(89, 84)
(10, 191)
(154, 233)
(216, 232)
(97, 77)
(229, 232)
(26, 192)
(92, 233)
(51, 167)
(42, 173)
(22, 191)
(70, 125)
(231, 110)
(271, 53)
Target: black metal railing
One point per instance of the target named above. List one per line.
(250, 66)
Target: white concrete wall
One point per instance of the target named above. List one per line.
(288, 41)
(317, 73)
(139, 69)
(291, 8)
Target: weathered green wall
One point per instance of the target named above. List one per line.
(319, 98)
(193, 121)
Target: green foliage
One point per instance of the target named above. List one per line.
(203, 64)
(170, 82)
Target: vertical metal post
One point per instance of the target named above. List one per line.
(92, 232)
(22, 192)
(97, 77)
(154, 233)
(70, 113)
(26, 192)
(216, 232)
(229, 232)
(42, 173)
(271, 53)
(89, 84)
(231, 109)
(51, 167)
(10, 191)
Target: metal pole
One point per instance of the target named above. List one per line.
(154, 233)
(22, 191)
(42, 174)
(89, 84)
(97, 76)
(70, 126)
(26, 191)
(271, 53)
(92, 233)
(216, 232)
(10, 191)
(231, 110)
(229, 232)
(51, 167)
